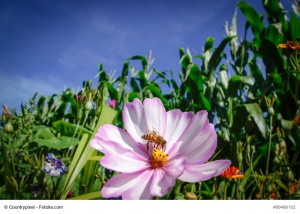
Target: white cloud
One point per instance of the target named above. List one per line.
(16, 89)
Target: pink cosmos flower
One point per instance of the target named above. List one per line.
(148, 170)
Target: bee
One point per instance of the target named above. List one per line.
(154, 137)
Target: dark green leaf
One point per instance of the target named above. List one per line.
(256, 113)
(112, 91)
(252, 17)
(270, 52)
(134, 85)
(294, 28)
(143, 60)
(217, 55)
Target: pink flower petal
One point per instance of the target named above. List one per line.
(134, 119)
(112, 133)
(129, 185)
(94, 143)
(156, 115)
(203, 172)
(176, 124)
(164, 179)
(202, 146)
(196, 125)
(127, 161)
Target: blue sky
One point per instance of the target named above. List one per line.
(47, 46)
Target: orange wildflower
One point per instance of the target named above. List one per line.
(273, 195)
(290, 46)
(297, 120)
(232, 172)
(293, 188)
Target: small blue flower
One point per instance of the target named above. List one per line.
(54, 166)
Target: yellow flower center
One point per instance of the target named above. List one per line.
(158, 158)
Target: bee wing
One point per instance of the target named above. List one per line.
(154, 131)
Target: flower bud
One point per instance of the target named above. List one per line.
(88, 105)
(282, 145)
(248, 149)
(271, 110)
(276, 160)
(253, 148)
(8, 128)
(190, 196)
(288, 175)
(239, 157)
(113, 103)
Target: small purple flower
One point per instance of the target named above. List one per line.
(54, 166)
(112, 103)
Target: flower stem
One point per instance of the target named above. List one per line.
(269, 150)
(84, 121)
(11, 154)
(225, 190)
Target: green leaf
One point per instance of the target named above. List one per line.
(125, 70)
(234, 84)
(143, 80)
(248, 172)
(84, 151)
(112, 91)
(179, 197)
(68, 97)
(242, 55)
(239, 119)
(253, 18)
(255, 71)
(287, 124)
(276, 14)
(272, 34)
(157, 93)
(134, 85)
(132, 96)
(68, 129)
(142, 59)
(44, 137)
(294, 28)
(195, 76)
(256, 113)
(233, 31)
(217, 55)
(88, 196)
(8, 171)
(270, 52)
(184, 61)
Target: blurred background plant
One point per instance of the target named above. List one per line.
(250, 89)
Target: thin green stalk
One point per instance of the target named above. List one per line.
(251, 167)
(225, 190)
(84, 121)
(269, 150)
(11, 155)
